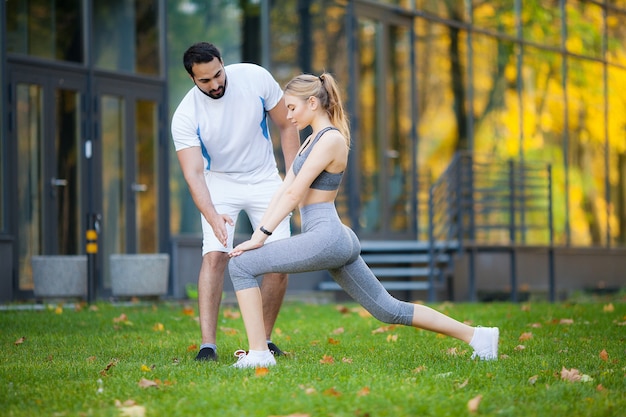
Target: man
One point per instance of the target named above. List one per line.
(224, 148)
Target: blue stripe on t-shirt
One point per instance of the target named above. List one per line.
(264, 128)
(205, 153)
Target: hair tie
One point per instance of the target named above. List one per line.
(321, 79)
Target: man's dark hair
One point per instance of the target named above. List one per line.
(199, 53)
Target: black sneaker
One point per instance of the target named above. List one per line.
(207, 354)
(274, 349)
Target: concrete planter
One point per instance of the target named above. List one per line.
(60, 275)
(139, 274)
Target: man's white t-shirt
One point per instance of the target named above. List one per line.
(233, 130)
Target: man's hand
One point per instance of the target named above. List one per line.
(217, 222)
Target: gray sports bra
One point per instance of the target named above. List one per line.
(326, 181)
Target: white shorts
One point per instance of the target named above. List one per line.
(231, 197)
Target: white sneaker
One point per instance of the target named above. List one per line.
(485, 343)
(254, 359)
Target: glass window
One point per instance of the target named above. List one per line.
(496, 101)
(146, 186)
(585, 23)
(438, 66)
(617, 155)
(113, 174)
(544, 124)
(498, 16)
(541, 22)
(4, 177)
(454, 10)
(616, 44)
(189, 22)
(585, 153)
(126, 36)
(45, 29)
(29, 128)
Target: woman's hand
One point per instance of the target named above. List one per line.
(244, 246)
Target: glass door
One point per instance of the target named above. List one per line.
(48, 118)
(129, 150)
(386, 144)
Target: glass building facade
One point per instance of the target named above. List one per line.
(85, 139)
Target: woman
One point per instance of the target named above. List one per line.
(325, 243)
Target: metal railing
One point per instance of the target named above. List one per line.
(484, 204)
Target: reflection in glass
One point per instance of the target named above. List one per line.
(586, 147)
(438, 130)
(146, 184)
(126, 36)
(113, 201)
(544, 123)
(617, 154)
(399, 155)
(616, 37)
(496, 102)
(497, 16)
(45, 29)
(586, 20)
(67, 150)
(29, 126)
(541, 22)
(369, 219)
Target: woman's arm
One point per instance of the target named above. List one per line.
(328, 154)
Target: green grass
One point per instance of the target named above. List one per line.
(61, 367)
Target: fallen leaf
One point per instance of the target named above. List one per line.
(120, 319)
(146, 383)
(293, 415)
(126, 403)
(20, 340)
(332, 392)
(533, 379)
(419, 369)
(145, 368)
(261, 371)
(392, 338)
(342, 309)
(109, 366)
(572, 375)
(91, 359)
(525, 336)
(339, 330)
(604, 355)
(472, 405)
(566, 321)
(608, 308)
(384, 329)
(133, 411)
(231, 314)
(363, 392)
(327, 360)
(158, 327)
(519, 347)
(525, 307)
(463, 384)
(453, 351)
(346, 360)
(332, 341)
(229, 331)
(189, 311)
(58, 310)
(599, 387)
(535, 325)
(192, 347)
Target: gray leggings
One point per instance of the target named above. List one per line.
(325, 243)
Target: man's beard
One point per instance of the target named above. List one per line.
(216, 94)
